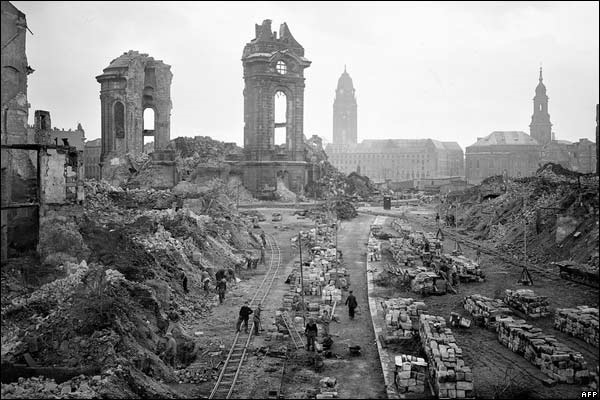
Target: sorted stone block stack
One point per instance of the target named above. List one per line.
(411, 373)
(330, 294)
(581, 322)
(545, 352)
(401, 226)
(402, 252)
(526, 301)
(486, 309)
(427, 282)
(402, 315)
(328, 388)
(449, 375)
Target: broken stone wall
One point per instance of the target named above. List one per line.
(132, 83)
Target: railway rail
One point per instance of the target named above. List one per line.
(227, 379)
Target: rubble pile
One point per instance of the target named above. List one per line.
(560, 208)
(526, 301)
(486, 310)
(81, 387)
(449, 375)
(581, 322)
(411, 373)
(545, 352)
(402, 315)
(111, 310)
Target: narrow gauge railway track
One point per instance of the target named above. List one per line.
(235, 358)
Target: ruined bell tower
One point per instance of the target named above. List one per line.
(273, 110)
(132, 84)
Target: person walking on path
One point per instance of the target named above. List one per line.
(221, 288)
(256, 319)
(262, 237)
(262, 255)
(352, 304)
(245, 312)
(311, 331)
(205, 277)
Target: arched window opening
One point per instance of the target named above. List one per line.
(148, 130)
(280, 114)
(148, 119)
(119, 115)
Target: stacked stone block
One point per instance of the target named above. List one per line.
(449, 375)
(545, 352)
(486, 309)
(581, 322)
(411, 373)
(526, 301)
(402, 315)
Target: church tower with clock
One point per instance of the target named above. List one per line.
(344, 111)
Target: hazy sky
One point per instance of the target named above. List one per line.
(449, 71)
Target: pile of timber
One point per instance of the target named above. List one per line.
(402, 315)
(486, 310)
(410, 374)
(545, 352)
(526, 301)
(581, 322)
(449, 375)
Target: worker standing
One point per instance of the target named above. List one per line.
(311, 331)
(205, 277)
(262, 255)
(245, 312)
(221, 288)
(352, 304)
(184, 282)
(262, 237)
(171, 350)
(256, 319)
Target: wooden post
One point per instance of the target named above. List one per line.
(302, 279)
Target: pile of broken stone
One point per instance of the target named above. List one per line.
(80, 387)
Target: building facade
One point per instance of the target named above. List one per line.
(518, 154)
(91, 156)
(274, 111)
(397, 160)
(513, 153)
(345, 111)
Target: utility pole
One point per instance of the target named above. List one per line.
(301, 278)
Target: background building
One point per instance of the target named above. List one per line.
(91, 156)
(514, 152)
(399, 159)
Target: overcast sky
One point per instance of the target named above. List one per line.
(448, 71)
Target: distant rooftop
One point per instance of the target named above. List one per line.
(506, 138)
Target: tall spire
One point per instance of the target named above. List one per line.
(541, 74)
(344, 67)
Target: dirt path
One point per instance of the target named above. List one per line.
(358, 377)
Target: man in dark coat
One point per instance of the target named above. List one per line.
(352, 304)
(311, 331)
(221, 288)
(245, 312)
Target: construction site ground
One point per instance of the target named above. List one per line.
(495, 366)
(357, 376)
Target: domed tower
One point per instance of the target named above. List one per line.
(344, 111)
(540, 128)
